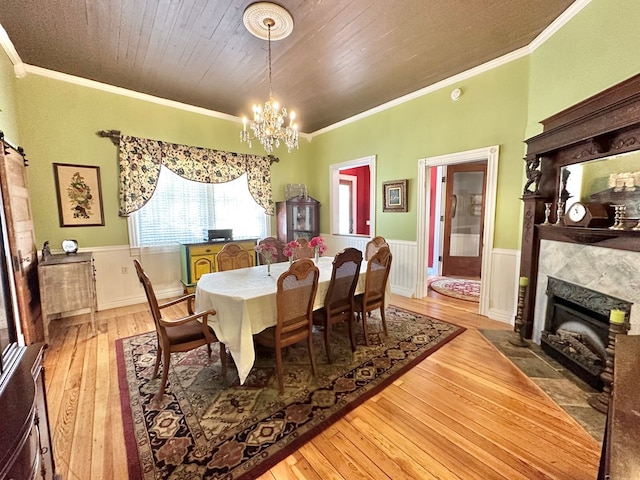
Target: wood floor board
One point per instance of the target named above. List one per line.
(459, 432)
(440, 443)
(511, 428)
(464, 412)
(412, 459)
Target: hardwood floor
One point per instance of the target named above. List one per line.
(465, 412)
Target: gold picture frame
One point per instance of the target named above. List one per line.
(394, 196)
(79, 195)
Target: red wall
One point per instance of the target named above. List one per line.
(364, 180)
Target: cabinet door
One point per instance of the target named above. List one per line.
(304, 221)
(201, 264)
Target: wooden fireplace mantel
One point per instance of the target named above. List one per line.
(604, 125)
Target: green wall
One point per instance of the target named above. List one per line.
(597, 49)
(56, 121)
(59, 121)
(8, 108)
(491, 111)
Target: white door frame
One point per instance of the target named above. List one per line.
(491, 155)
(334, 182)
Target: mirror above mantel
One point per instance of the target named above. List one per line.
(605, 126)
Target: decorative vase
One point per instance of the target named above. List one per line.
(291, 260)
(268, 268)
(317, 255)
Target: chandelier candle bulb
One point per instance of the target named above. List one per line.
(524, 281)
(616, 316)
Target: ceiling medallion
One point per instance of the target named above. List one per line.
(269, 22)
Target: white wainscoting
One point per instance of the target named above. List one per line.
(504, 285)
(402, 277)
(117, 284)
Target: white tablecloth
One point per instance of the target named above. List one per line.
(245, 302)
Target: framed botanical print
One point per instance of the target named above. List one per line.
(79, 195)
(395, 196)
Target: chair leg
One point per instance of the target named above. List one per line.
(223, 358)
(364, 327)
(279, 371)
(327, 346)
(384, 321)
(209, 349)
(352, 337)
(157, 366)
(312, 357)
(166, 357)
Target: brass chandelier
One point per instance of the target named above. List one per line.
(268, 124)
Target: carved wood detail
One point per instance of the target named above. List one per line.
(607, 123)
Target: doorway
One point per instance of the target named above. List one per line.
(426, 212)
(462, 220)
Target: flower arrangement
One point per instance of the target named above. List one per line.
(290, 248)
(318, 244)
(268, 251)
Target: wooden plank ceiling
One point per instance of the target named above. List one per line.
(343, 57)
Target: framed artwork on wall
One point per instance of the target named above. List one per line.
(79, 195)
(394, 196)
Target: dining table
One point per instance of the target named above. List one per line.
(245, 304)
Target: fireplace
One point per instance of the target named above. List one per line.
(576, 327)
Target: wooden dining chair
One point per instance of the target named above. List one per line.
(373, 246)
(378, 268)
(233, 256)
(279, 248)
(295, 295)
(304, 250)
(180, 334)
(339, 300)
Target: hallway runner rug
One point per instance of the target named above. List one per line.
(457, 288)
(209, 427)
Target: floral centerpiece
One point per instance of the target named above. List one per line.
(289, 249)
(318, 244)
(268, 250)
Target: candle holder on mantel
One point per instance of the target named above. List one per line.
(560, 214)
(617, 326)
(517, 338)
(547, 212)
(619, 215)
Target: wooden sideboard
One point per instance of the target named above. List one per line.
(199, 258)
(67, 284)
(25, 439)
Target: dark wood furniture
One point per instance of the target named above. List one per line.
(180, 334)
(339, 302)
(294, 302)
(67, 283)
(378, 268)
(621, 446)
(603, 125)
(298, 217)
(25, 440)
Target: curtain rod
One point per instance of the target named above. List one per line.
(114, 136)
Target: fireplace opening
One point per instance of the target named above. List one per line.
(576, 330)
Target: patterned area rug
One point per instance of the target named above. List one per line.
(211, 427)
(457, 288)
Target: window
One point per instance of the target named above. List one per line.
(181, 210)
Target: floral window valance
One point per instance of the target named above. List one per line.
(141, 158)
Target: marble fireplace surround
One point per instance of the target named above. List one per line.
(606, 270)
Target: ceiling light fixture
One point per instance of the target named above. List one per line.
(268, 124)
